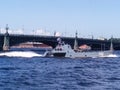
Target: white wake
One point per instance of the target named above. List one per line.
(111, 56)
(28, 54)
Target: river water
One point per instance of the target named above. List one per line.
(28, 70)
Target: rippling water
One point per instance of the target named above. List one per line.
(38, 73)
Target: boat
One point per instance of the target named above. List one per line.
(65, 50)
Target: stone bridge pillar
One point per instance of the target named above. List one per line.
(6, 40)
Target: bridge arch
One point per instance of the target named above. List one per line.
(14, 40)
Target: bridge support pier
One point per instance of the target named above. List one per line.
(6, 40)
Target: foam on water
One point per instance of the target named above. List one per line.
(111, 56)
(28, 54)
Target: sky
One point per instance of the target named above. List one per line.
(100, 18)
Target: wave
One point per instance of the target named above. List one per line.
(27, 54)
(111, 56)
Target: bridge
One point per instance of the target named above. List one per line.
(8, 40)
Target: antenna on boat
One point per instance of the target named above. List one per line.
(76, 42)
(111, 45)
(59, 40)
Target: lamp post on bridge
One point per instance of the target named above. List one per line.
(6, 40)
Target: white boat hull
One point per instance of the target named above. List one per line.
(93, 54)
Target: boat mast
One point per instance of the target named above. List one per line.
(76, 42)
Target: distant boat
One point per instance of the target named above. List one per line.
(85, 47)
(32, 45)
